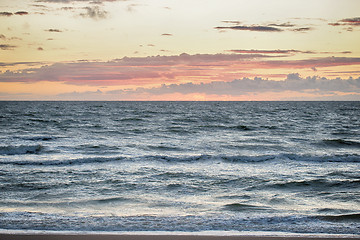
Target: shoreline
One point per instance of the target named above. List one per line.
(143, 235)
(158, 237)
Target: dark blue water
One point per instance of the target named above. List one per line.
(180, 166)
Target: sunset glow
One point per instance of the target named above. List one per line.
(179, 50)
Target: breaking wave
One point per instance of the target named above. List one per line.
(22, 149)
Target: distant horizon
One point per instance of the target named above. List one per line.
(136, 50)
(179, 101)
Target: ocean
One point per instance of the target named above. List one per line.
(290, 167)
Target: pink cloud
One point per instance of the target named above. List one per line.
(168, 69)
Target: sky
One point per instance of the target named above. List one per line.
(197, 50)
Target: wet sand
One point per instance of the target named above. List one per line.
(155, 237)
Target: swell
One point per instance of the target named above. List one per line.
(354, 217)
(166, 158)
(240, 207)
(340, 143)
(315, 184)
(65, 203)
(68, 162)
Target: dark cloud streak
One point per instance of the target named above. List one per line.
(347, 22)
(272, 27)
(53, 30)
(278, 51)
(7, 47)
(71, 1)
(255, 28)
(6, 14)
(21, 13)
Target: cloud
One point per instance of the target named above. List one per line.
(347, 22)
(95, 13)
(351, 21)
(135, 70)
(302, 29)
(53, 30)
(71, 1)
(272, 27)
(2, 64)
(21, 13)
(282, 25)
(298, 88)
(39, 6)
(131, 7)
(7, 47)
(255, 28)
(6, 14)
(67, 8)
(278, 51)
(293, 82)
(3, 37)
(314, 62)
(162, 69)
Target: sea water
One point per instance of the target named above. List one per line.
(180, 166)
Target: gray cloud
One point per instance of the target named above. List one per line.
(282, 25)
(71, 1)
(53, 30)
(7, 47)
(347, 22)
(2, 64)
(95, 13)
(293, 82)
(255, 28)
(321, 88)
(6, 14)
(278, 51)
(272, 27)
(302, 29)
(21, 13)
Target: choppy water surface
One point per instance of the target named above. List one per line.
(180, 166)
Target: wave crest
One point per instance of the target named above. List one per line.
(22, 149)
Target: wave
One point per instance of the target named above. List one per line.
(315, 184)
(164, 148)
(40, 138)
(240, 207)
(20, 150)
(226, 127)
(340, 143)
(77, 161)
(354, 217)
(166, 158)
(190, 223)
